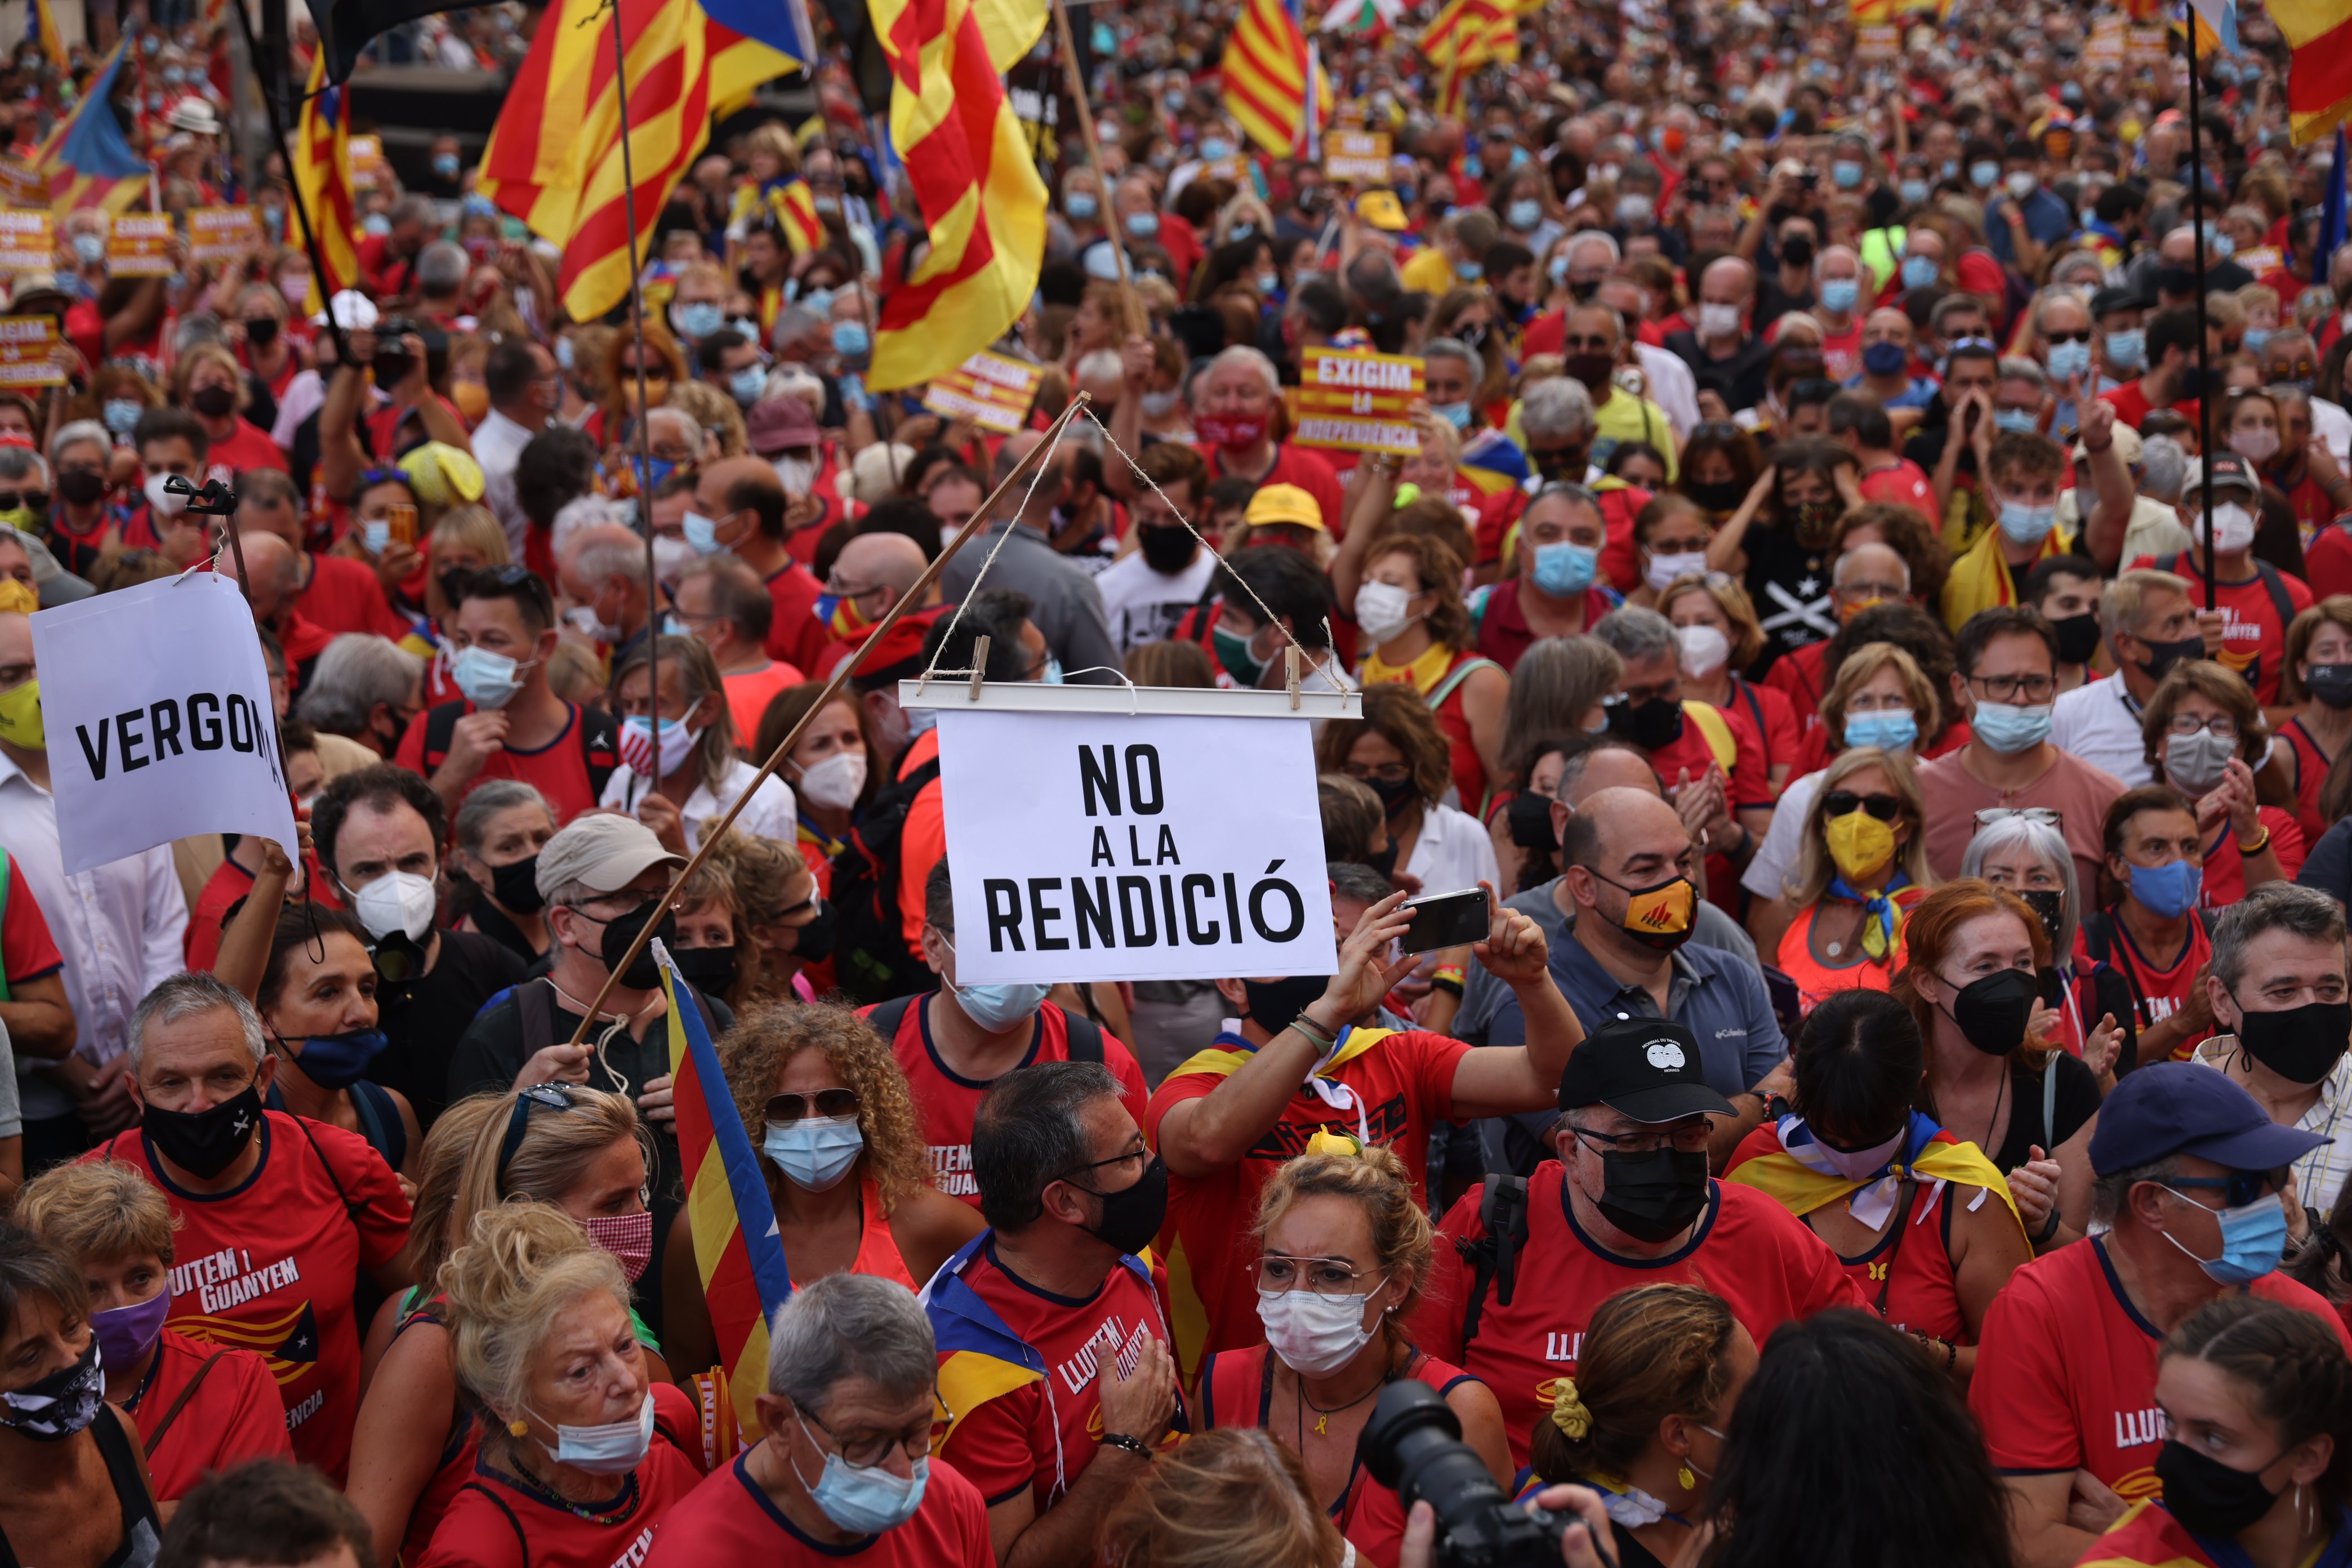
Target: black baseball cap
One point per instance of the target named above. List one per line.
(2117, 297)
(1647, 1068)
(2184, 1108)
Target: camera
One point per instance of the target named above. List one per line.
(1412, 1445)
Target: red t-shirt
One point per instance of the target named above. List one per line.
(1024, 1439)
(922, 841)
(478, 1532)
(2162, 991)
(2225, 868)
(946, 1102)
(1293, 466)
(248, 447)
(1901, 483)
(1545, 335)
(343, 596)
(1504, 635)
(2065, 1373)
(1748, 1249)
(795, 635)
(2327, 561)
(270, 1266)
(2253, 642)
(557, 770)
(1403, 1085)
(27, 951)
(1765, 714)
(2311, 765)
(234, 1415)
(728, 1519)
(2131, 404)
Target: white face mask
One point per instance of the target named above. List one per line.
(1719, 320)
(1313, 1334)
(1704, 650)
(797, 473)
(815, 1152)
(164, 502)
(613, 1449)
(2233, 526)
(1862, 1164)
(397, 902)
(639, 751)
(1662, 570)
(583, 621)
(835, 782)
(1382, 609)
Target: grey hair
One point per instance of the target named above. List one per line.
(1357, 881)
(441, 267)
(1242, 353)
(2017, 367)
(184, 995)
(2108, 1191)
(2048, 845)
(197, 330)
(1638, 633)
(2123, 603)
(610, 555)
(1837, 573)
(416, 209)
(2289, 907)
(1453, 349)
(847, 1326)
(486, 801)
(2163, 468)
(15, 462)
(1600, 237)
(358, 670)
(1557, 408)
(79, 431)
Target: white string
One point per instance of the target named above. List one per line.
(1266, 617)
(1044, 460)
(1116, 674)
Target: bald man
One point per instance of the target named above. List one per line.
(1724, 356)
(1065, 602)
(873, 573)
(726, 607)
(272, 580)
(745, 501)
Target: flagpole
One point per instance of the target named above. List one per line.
(645, 413)
(294, 192)
(1134, 307)
(2204, 392)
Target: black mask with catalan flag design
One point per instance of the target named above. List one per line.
(1658, 915)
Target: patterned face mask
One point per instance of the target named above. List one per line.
(58, 1405)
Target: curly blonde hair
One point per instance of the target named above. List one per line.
(521, 1264)
(1234, 1495)
(1376, 1180)
(448, 1145)
(754, 1052)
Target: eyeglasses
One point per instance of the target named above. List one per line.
(2220, 725)
(1864, 592)
(866, 1452)
(1845, 802)
(2007, 688)
(2048, 816)
(1688, 1137)
(2082, 337)
(1320, 1276)
(1141, 1151)
(11, 499)
(2238, 1189)
(828, 1103)
(553, 1096)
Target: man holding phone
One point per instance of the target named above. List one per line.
(1303, 1067)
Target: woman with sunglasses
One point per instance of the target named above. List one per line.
(1344, 1253)
(565, 1150)
(848, 1171)
(1862, 866)
(2205, 735)
(1901, 1201)
(1975, 954)
(583, 1442)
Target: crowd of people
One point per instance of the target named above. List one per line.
(1872, 605)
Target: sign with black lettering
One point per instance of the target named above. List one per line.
(1106, 847)
(156, 704)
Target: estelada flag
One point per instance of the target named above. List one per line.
(737, 1250)
(1800, 1180)
(86, 158)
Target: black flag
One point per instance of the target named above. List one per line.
(348, 26)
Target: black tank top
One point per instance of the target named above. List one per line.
(141, 1533)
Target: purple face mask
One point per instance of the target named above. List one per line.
(127, 1333)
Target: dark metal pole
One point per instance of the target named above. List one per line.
(294, 193)
(645, 419)
(2204, 389)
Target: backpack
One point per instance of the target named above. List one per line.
(1494, 1257)
(598, 732)
(2098, 928)
(1085, 1034)
(871, 961)
(2273, 583)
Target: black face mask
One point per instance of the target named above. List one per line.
(1274, 1005)
(1132, 1215)
(1594, 370)
(2299, 1044)
(1653, 1196)
(80, 485)
(1395, 793)
(1992, 1012)
(642, 974)
(2050, 903)
(1717, 498)
(1166, 551)
(1530, 817)
(453, 581)
(2176, 280)
(2208, 1497)
(1796, 251)
(57, 1407)
(2167, 653)
(1563, 466)
(813, 943)
(1652, 723)
(261, 332)
(2331, 683)
(710, 970)
(2078, 637)
(214, 402)
(515, 885)
(2192, 383)
(204, 1142)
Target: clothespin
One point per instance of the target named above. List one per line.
(979, 665)
(1290, 674)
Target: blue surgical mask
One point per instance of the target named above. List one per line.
(1563, 570)
(1919, 272)
(1143, 226)
(376, 534)
(1884, 358)
(2022, 523)
(2019, 419)
(1913, 192)
(701, 533)
(1240, 231)
(1473, 166)
(2127, 348)
(1984, 173)
(90, 250)
(564, 352)
(2254, 338)
(746, 385)
(2253, 1236)
(1081, 205)
(1890, 729)
(1845, 175)
(376, 225)
(122, 414)
(850, 340)
(1523, 215)
(2069, 360)
(1215, 147)
(698, 318)
(996, 1007)
(446, 164)
(1053, 676)
(1455, 413)
(867, 1499)
(815, 1152)
(1469, 271)
(2168, 891)
(2009, 727)
(1558, 270)
(1839, 295)
(487, 679)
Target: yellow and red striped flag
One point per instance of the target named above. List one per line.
(796, 207)
(323, 175)
(965, 154)
(1469, 33)
(554, 157)
(1272, 78)
(2319, 73)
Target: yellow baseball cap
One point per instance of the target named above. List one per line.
(1381, 210)
(1283, 503)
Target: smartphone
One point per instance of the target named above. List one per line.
(402, 516)
(1446, 919)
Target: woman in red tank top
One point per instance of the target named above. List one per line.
(847, 1169)
(2317, 679)
(1344, 1252)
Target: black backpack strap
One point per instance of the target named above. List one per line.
(440, 729)
(2098, 935)
(888, 1016)
(351, 1209)
(1495, 1257)
(600, 748)
(2281, 600)
(535, 1013)
(1086, 1037)
(155, 1437)
(522, 1538)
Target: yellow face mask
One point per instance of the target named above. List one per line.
(1659, 916)
(20, 717)
(1860, 844)
(16, 595)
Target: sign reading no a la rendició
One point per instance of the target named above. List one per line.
(1107, 846)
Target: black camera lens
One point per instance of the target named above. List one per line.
(1412, 1445)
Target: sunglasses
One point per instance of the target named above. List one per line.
(826, 1103)
(2239, 1188)
(11, 499)
(553, 1096)
(1845, 802)
(2082, 337)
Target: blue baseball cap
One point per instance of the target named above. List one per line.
(2182, 1108)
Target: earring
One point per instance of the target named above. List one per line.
(1683, 1479)
(522, 1428)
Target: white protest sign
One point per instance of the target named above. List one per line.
(1101, 846)
(156, 705)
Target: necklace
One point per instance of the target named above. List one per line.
(619, 1509)
(1323, 1417)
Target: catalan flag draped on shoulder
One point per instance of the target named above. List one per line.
(2148, 1537)
(86, 158)
(1799, 1177)
(322, 176)
(737, 1248)
(975, 183)
(2319, 71)
(1273, 86)
(554, 157)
